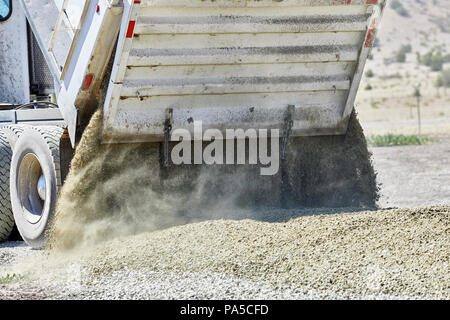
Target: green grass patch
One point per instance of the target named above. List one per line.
(8, 278)
(397, 140)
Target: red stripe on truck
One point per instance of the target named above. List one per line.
(87, 81)
(130, 30)
(370, 33)
(372, 2)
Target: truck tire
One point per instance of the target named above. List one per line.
(35, 181)
(6, 214)
(12, 133)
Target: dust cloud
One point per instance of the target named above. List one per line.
(109, 192)
(115, 190)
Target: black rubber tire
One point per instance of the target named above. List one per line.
(12, 133)
(6, 214)
(37, 146)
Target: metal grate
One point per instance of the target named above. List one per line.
(41, 79)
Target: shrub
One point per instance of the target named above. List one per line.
(437, 62)
(369, 74)
(374, 104)
(400, 57)
(395, 4)
(403, 12)
(444, 78)
(401, 53)
(434, 60)
(406, 48)
(7, 278)
(398, 7)
(426, 59)
(446, 58)
(396, 140)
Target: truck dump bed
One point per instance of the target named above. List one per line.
(237, 64)
(228, 63)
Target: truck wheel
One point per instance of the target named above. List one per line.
(35, 181)
(6, 214)
(12, 133)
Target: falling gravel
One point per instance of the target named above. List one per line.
(121, 189)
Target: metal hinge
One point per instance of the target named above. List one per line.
(168, 123)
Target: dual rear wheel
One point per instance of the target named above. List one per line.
(30, 168)
(6, 214)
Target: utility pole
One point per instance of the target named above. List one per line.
(418, 96)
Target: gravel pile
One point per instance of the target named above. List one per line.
(400, 253)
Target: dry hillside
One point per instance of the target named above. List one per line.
(385, 101)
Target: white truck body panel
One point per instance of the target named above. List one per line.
(14, 75)
(237, 64)
(77, 42)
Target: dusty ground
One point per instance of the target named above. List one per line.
(386, 254)
(337, 254)
(332, 256)
(413, 176)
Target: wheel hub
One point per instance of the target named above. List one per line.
(41, 187)
(32, 188)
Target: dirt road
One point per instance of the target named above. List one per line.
(413, 176)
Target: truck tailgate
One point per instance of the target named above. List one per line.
(237, 64)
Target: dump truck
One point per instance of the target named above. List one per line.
(156, 66)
